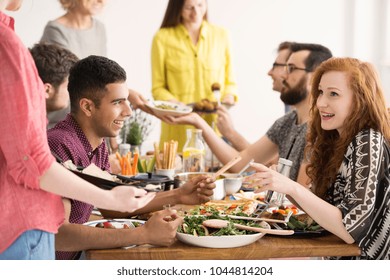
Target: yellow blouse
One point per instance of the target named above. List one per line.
(183, 71)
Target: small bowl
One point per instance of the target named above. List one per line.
(170, 173)
(219, 191)
(232, 183)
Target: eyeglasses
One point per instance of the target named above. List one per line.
(278, 65)
(291, 68)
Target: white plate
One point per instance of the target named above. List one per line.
(177, 109)
(117, 223)
(224, 241)
(250, 195)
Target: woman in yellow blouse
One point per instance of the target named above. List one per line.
(188, 55)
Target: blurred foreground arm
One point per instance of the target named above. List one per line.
(57, 179)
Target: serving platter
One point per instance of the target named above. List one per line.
(309, 233)
(224, 241)
(117, 224)
(193, 232)
(108, 185)
(304, 233)
(303, 226)
(165, 108)
(211, 107)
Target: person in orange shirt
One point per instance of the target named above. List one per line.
(31, 182)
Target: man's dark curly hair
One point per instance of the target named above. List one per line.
(89, 77)
(53, 62)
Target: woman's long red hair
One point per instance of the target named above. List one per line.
(325, 148)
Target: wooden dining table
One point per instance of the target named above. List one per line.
(265, 248)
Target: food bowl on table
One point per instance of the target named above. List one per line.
(226, 241)
(116, 224)
(219, 191)
(232, 182)
(226, 184)
(191, 233)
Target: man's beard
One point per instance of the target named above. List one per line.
(293, 96)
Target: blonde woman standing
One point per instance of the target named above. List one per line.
(78, 31)
(188, 55)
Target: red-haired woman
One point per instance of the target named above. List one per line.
(349, 154)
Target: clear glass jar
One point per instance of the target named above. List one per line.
(194, 152)
(274, 198)
(124, 149)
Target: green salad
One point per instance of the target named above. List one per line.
(193, 225)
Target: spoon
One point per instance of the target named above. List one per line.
(215, 223)
(227, 166)
(257, 219)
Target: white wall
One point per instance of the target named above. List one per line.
(347, 27)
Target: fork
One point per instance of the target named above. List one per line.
(288, 216)
(286, 219)
(275, 225)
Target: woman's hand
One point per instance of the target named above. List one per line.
(138, 101)
(190, 119)
(269, 179)
(129, 199)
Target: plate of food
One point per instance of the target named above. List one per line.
(303, 226)
(165, 108)
(97, 176)
(226, 207)
(260, 197)
(193, 232)
(206, 106)
(285, 209)
(104, 179)
(116, 224)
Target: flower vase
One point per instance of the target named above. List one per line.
(135, 148)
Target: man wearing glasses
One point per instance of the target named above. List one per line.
(286, 137)
(278, 67)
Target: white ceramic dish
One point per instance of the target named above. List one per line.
(224, 241)
(172, 109)
(219, 191)
(232, 183)
(117, 223)
(250, 195)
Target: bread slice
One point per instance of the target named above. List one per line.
(230, 206)
(93, 170)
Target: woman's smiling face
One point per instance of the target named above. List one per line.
(193, 11)
(335, 100)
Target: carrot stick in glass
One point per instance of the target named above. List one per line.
(118, 156)
(135, 162)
